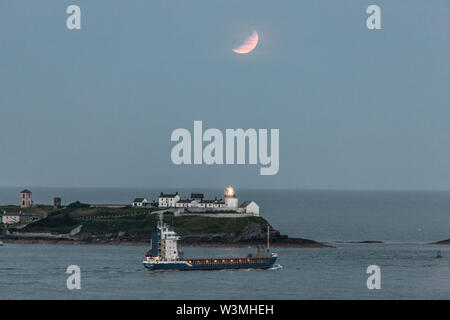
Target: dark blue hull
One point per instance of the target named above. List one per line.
(260, 263)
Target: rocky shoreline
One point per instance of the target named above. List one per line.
(253, 234)
(300, 243)
(446, 242)
(192, 240)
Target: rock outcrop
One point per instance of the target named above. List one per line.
(253, 233)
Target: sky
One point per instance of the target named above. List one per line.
(356, 108)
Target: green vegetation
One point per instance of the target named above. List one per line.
(94, 220)
(77, 205)
(141, 225)
(198, 225)
(109, 212)
(62, 223)
(79, 210)
(133, 222)
(144, 224)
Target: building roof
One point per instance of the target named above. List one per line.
(167, 195)
(140, 200)
(25, 191)
(245, 204)
(197, 196)
(18, 214)
(31, 214)
(185, 201)
(213, 201)
(207, 201)
(12, 214)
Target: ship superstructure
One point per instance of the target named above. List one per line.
(164, 255)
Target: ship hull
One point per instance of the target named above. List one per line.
(261, 263)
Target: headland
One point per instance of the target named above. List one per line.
(80, 223)
(199, 222)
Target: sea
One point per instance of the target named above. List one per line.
(405, 222)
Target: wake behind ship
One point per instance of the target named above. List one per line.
(164, 255)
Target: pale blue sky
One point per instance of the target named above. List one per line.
(356, 109)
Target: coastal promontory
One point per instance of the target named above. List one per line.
(86, 224)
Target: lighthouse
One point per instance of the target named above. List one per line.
(230, 198)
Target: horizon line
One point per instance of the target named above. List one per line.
(236, 187)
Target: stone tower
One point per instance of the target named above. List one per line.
(56, 202)
(26, 200)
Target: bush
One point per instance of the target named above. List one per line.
(78, 204)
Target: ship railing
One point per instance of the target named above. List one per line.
(226, 261)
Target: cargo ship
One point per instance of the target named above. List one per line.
(164, 255)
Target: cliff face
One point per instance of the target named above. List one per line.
(253, 233)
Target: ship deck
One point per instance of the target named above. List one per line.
(228, 261)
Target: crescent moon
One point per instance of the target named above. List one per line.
(248, 45)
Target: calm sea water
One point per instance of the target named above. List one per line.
(408, 271)
(404, 221)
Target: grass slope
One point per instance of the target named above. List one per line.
(132, 221)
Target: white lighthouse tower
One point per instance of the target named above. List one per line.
(230, 198)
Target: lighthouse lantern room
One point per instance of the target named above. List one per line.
(231, 201)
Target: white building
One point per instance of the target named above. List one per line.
(10, 218)
(140, 202)
(20, 217)
(197, 203)
(168, 200)
(212, 204)
(250, 207)
(185, 203)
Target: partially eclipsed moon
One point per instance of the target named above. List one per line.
(249, 45)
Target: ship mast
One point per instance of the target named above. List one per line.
(161, 213)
